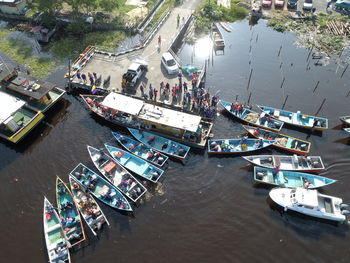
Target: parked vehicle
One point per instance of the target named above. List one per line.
(169, 63)
(267, 3)
(343, 5)
(279, 3)
(292, 4)
(135, 72)
(307, 6)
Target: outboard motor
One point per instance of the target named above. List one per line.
(345, 212)
(344, 206)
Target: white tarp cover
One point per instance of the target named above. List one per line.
(168, 117)
(9, 105)
(123, 103)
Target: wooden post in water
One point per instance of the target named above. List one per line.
(257, 36)
(309, 53)
(324, 100)
(281, 64)
(250, 76)
(283, 82)
(69, 78)
(344, 70)
(318, 82)
(236, 97)
(284, 103)
(279, 51)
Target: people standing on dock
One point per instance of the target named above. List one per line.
(159, 41)
(91, 80)
(185, 86)
(150, 92)
(161, 86)
(155, 92)
(142, 90)
(83, 76)
(78, 76)
(95, 75)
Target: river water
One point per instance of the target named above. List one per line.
(208, 209)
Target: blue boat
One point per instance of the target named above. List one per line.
(141, 150)
(296, 118)
(100, 188)
(135, 164)
(252, 117)
(116, 174)
(162, 144)
(289, 179)
(243, 145)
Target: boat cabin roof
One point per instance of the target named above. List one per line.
(5, 71)
(306, 197)
(123, 103)
(8, 105)
(168, 117)
(28, 86)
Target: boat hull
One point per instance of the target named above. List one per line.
(235, 146)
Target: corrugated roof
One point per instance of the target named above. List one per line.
(9, 105)
(123, 103)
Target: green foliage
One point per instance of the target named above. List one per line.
(160, 12)
(48, 19)
(4, 33)
(78, 27)
(277, 25)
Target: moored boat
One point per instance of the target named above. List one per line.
(135, 164)
(116, 174)
(310, 202)
(282, 141)
(141, 150)
(88, 207)
(164, 120)
(102, 189)
(55, 238)
(347, 130)
(162, 144)
(288, 162)
(252, 117)
(70, 217)
(345, 120)
(289, 179)
(243, 145)
(217, 37)
(296, 118)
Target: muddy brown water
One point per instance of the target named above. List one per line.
(208, 209)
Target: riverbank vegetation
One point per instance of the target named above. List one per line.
(312, 32)
(208, 11)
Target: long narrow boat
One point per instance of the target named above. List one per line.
(70, 217)
(217, 38)
(347, 130)
(289, 179)
(116, 174)
(345, 120)
(288, 162)
(141, 150)
(100, 188)
(135, 164)
(88, 207)
(282, 141)
(55, 238)
(252, 117)
(296, 118)
(162, 144)
(228, 146)
(310, 202)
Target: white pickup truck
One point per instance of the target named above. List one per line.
(135, 72)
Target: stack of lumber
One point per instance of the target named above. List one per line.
(338, 28)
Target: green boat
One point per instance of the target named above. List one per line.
(70, 217)
(55, 238)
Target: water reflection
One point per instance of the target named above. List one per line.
(203, 48)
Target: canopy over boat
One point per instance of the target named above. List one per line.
(9, 105)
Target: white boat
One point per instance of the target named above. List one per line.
(288, 162)
(311, 203)
(55, 238)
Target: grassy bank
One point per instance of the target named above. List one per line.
(208, 11)
(311, 33)
(159, 13)
(21, 52)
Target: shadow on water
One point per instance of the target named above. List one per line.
(306, 226)
(345, 141)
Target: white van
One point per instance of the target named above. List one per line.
(169, 63)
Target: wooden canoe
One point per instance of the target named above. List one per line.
(56, 242)
(232, 146)
(70, 217)
(253, 118)
(289, 178)
(141, 150)
(88, 207)
(162, 144)
(99, 187)
(282, 141)
(135, 164)
(296, 118)
(288, 162)
(116, 174)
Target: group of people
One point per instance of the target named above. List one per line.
(83, 77)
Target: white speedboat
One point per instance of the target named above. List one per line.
(311, 203)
